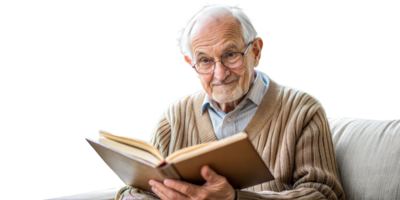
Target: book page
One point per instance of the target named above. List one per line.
(132, 142)
(193, 151)
(184, 151)
(136, 152)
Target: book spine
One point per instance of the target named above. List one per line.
(162, 164)
(169, 172)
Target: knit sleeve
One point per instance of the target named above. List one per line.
(315, 175)
(176, 128)
(161, 136)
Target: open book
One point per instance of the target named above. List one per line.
(136, 162)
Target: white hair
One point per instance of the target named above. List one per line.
(216, 11)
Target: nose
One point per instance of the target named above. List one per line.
(220, 72)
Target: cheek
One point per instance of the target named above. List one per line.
(245, 77)
(205, 82)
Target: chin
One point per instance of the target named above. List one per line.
(227, 96)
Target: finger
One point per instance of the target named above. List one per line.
(183, 187)
(159, 194)
(167, 193)
(210, 175)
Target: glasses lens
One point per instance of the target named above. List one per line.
(232, 60)
(204, 66)
(229, 60)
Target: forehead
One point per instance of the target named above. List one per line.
(216, 34)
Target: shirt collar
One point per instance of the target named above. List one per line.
(255, 94)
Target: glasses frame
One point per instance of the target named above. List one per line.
(220, 60)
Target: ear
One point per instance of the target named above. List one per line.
(256, 48)
(188, 60)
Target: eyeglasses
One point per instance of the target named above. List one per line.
(230, 60)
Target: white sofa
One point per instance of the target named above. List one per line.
(368, 157)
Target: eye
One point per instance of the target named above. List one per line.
(231, 54)
(204, 60)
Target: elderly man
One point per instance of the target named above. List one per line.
(287, 127)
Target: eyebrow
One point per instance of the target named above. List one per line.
(230, 46)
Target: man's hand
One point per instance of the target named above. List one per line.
(216, 187)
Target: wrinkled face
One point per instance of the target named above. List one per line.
(211, 39)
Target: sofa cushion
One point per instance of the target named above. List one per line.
(368, 157)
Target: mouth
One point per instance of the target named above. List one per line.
(223, 84)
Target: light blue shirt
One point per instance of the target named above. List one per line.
(225, 125)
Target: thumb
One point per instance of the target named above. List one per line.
(210, 175)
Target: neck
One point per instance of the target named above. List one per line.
(228, 107)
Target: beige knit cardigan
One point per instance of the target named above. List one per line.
(290, 132)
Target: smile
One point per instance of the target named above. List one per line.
(222, 84)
